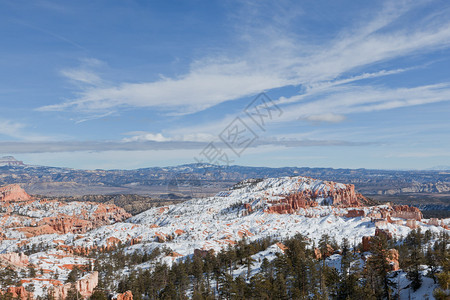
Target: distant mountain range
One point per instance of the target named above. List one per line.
(206, 179)
(440, 168)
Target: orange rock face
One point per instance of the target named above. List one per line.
(336, 196)
(406, 212)
(84, 286)
(366, 243)
(317, 253)
(355, 213)
(412, 224)
(19, 292)
(383, 232)
(13, 193)
(16, 259)
(128, 295)
(393, 259)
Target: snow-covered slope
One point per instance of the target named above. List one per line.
(244, 211)
(253, 209)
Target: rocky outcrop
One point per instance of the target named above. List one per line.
(355, 213)
(15, 259)
(406, 212)
(35, 231)
(34, 216)
(84, 286)
(366, 243)
(128, 295)
(412, 224)
(203, 253)
(366, 240)
(324, 253)
(328, 193)
(392, 258)
(69, 224)
(13, 193)
(291, 203)
(18, 292)
(384, 233)
(317, 253)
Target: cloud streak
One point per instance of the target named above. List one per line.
(284, 60)
(99, 146)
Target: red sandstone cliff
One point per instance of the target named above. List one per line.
(84, 286)
(128, 295)
(13, 192)
(15, 259)
(334, 194)
(18, 292)
(406, 212)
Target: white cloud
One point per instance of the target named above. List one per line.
(10, 128)
(145, 136)
(328, 117)
(18, 131)
(203, 87)
(362, 99)
(274, 58)
(82, 76)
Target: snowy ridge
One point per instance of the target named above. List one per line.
(219, 221)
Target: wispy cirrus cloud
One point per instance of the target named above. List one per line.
(274, 57)
(144, 145)
(19, 131)
(342, 100)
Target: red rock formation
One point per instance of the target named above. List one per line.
(380, 222)
(317, 253)
(434, 222)
(128, 295)
(393, 259)
(68, 224)
(282, 247)
(411, 224)
(397, 222)
(13, 193)
(19, 292)
(16, 259)
(203, 253)
(34, 231)
(378, 232)
(292, 202)
(406, 212)
(84, 286)
(355, 213)
(15, 200)
(383, 232)
(366, 243)
(335, 195)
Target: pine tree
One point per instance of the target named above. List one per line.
(260, 287)
(416, 256)
(279, 287)
(73, 275)
(377, 268)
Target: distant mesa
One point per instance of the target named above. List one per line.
(10, 161)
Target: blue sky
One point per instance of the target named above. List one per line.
(129, 84)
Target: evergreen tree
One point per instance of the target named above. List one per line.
(73, 274)
(414, 239)
(377, 267)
